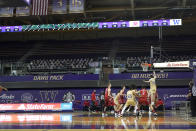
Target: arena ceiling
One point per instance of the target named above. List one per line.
(13, 3)
(114, 10)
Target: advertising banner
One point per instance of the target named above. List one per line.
(31, 118)
(64, 99)
(36, 106)
(178, 64)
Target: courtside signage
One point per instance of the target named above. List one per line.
(37, 106)
(179, 64)
(35, 118)
(66, 106)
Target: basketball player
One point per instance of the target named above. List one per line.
(152, 92)
(131, 99)
(2, 88)
(143, 99)
(118, 101)
(122, 98)
(108, 98)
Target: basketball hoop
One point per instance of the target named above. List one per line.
(145, 66)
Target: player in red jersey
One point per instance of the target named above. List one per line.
(122, 100)
(143, 99)
(108, 97)
(119, 101)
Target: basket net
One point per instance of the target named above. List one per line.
(145, 66)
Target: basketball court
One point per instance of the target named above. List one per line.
(167, 121)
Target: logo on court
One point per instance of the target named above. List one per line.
(27, 97)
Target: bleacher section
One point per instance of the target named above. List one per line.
(83, 65)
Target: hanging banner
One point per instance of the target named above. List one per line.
(76, 6)
(59, 7)
(6, 12)
(22, 11)
(40, 7)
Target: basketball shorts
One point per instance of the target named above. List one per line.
(130, 102)
(143, 101)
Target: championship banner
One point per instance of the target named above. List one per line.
(76, 6)
(59, 7)
(22, 11)
(179, 64)
(6, 12)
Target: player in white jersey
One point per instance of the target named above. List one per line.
(131, 99)
(152, 92)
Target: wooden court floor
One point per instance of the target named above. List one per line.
(165, 121)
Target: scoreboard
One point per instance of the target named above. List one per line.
(144, 23)
(93, 25)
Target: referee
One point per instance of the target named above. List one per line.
(192, 91)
